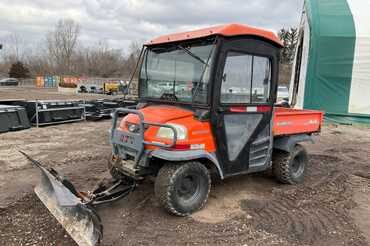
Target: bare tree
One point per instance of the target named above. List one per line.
(135, 48)
(133, 57)
(61, 53)
(39, 64)
(19, 46)
(38, 60)
(105, 61)
(62, 42)
(14, 49)
(99, 60)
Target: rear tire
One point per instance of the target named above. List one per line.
(289, 167)
(182, 188)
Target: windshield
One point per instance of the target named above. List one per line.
(177, 73)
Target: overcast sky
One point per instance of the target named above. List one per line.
(118, 22)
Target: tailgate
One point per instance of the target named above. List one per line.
(288, 121)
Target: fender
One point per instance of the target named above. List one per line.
(287, 143)
(187, 155)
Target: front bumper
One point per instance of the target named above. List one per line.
(130, 146)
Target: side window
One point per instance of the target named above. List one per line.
(246, 79)
(236, 79)
(261, 79)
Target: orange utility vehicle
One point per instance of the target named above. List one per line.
(206, 106)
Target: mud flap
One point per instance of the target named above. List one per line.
(68, 206)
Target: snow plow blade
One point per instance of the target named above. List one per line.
(66, 204)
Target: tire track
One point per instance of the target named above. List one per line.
(315, 213)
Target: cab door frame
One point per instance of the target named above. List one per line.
(256, 47)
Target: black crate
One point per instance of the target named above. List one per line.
(14, 102)
(102, 109)
(13, 118)
(54, 112)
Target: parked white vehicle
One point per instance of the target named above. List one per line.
(9, 82)
(282, 93)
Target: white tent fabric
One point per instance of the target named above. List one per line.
(304, 62)
(357, 88)
(359, 101)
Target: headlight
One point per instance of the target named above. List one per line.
(131, 127)
(165, 132)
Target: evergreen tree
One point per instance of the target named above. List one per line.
(289, 37)
(18, 70)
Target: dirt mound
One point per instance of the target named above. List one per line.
(309, 215)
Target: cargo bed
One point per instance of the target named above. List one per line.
(288, 121)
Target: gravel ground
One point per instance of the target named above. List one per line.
(330, 208)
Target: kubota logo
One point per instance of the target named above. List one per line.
(284, 123)
(126, 139)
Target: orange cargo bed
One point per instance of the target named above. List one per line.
(288, 121)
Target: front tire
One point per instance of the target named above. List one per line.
(289, 167)
(182, 188)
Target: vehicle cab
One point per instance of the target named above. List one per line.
(214, 89)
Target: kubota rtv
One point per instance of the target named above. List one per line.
(206, 106)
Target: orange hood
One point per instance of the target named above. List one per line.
(160, 114)
(198, 132)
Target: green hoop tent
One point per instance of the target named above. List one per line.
(332, 64)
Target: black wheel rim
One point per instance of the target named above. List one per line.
(188, 188)
(298, 166)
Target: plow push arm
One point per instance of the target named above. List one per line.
(73, 209)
